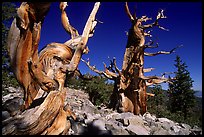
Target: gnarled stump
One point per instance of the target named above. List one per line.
(42, 76)
(36, 120)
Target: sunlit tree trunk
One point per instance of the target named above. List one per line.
(129, 93)
(42, 76)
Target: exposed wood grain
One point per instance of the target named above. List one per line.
(44, 72)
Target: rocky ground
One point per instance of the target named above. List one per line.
(98, 120)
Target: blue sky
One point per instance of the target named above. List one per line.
(184, 21)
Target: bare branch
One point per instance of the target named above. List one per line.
(160, 15)
(72, 43)
(150, 43)
(106, 73)
(65, 21)
(90, 24)
(150, 94)
(81, 47)
(93, 27)
(113, 74)
(165, 73)
(147, 34)
(128, 12)
(98, 21)
(80, 75)
(162, 52)
(110, 67)
(150, 82)
(157, 53)
(160, 27)
(148, 69)
(145, 18)
(116, 68)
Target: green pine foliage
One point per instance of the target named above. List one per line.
(157, 103)
(178, 103)
(98, 88)
(8, 14)
(181, 95)
(161, 108)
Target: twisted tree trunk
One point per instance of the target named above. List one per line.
(42, 76)
(130, 85)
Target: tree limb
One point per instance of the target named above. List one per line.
(148, 69)
(162, 52)
(84, 39)
(23, 40)
(160, 15)
(80, 75)
(150, 82)
(150, 94)
(65, 21)
(128, 12)
(144, 18)
(106, 73)
(150, 43)
(116, 68)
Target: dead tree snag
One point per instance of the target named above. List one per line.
(129, 94)
(42, 76)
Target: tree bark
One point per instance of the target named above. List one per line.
(42, 76)
(129, 93)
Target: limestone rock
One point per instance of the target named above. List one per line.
(138, 129)
(5, 115)
(92, 120)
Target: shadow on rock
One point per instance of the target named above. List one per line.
(91, 129)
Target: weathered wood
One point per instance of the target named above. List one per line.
(22, 46)
(65, 21)
(42, 76)
(35, 120)
(88, 29)
(129, 93)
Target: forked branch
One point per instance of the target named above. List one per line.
(81, 47)
(108, 74)
(116, 68)
(160, 15)
(158, 80)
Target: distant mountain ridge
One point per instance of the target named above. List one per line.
(198, 93)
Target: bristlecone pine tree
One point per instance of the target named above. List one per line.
(181, 94)
(42, 75)
(129, 94)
